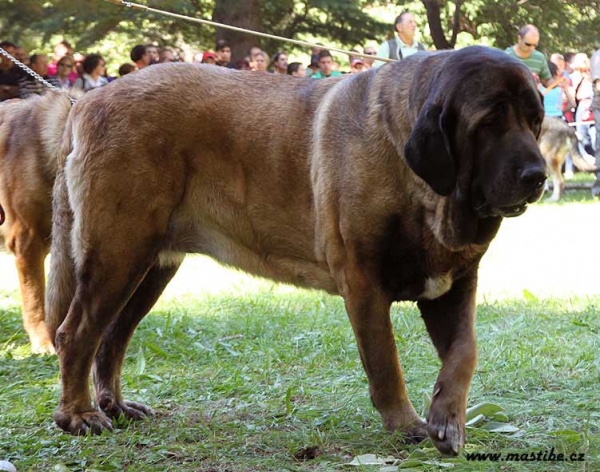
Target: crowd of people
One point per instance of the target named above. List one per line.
(71, 70)
(568, 81)
(570, 86)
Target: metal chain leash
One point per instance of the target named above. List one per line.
(35, 75)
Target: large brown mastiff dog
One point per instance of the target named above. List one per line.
(30, 136)
(383, 186)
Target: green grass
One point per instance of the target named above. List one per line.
(244, 383)
(576, 196)
(246, 375)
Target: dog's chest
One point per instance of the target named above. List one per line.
(417, 267)
(436, 287)
(418, 278)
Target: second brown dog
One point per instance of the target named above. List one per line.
(30, 135)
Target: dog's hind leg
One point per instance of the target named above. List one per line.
(116, 236)
(30, 243)
(110, 356)
(555, 169)
(450, 321)
(106, 278)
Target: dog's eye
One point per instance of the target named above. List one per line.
(536, 123)
(489, 120)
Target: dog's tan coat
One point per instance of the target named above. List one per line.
(383, 186)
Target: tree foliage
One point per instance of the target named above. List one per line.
(571, 25)
(564, 26)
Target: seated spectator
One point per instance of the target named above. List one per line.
(261, 62)
(209, 58)
(296, 69)
(140, 56)
(223, 53)
(60, 50)
(78, 63)
(314, 56)
(62, 79)
(152, 51)
(242, 64)
(313, 67)
(584, 93)
(166, 55)
(554, 93)
(126, 68)
(29, 85)
(10, 74)
(94, 69)
(279, 62)
(21, 55)
(357, 65)
(351, 57)
(568, 100)
(254, 50)
(371, 51)
(325, 66)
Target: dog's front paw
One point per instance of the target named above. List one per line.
(446, 429)
(123, 408)
(82, 423)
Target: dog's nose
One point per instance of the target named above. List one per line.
(533, 176)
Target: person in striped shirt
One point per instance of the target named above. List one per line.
(525, 51)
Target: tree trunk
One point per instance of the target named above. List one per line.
(243, 14)
(435, 24)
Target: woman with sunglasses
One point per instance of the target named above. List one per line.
(64, 69)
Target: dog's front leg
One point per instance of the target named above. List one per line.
(369, 311)
(450, 322)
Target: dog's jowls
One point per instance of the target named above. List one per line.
(382, 186)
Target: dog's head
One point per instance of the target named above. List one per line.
(475, 135)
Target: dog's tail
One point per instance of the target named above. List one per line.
(56, 107)
(576, 156)
(61, 280)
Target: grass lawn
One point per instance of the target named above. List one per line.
(246, 375)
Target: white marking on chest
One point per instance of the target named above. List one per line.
(436, 287)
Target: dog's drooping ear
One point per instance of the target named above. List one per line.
(428, 151)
